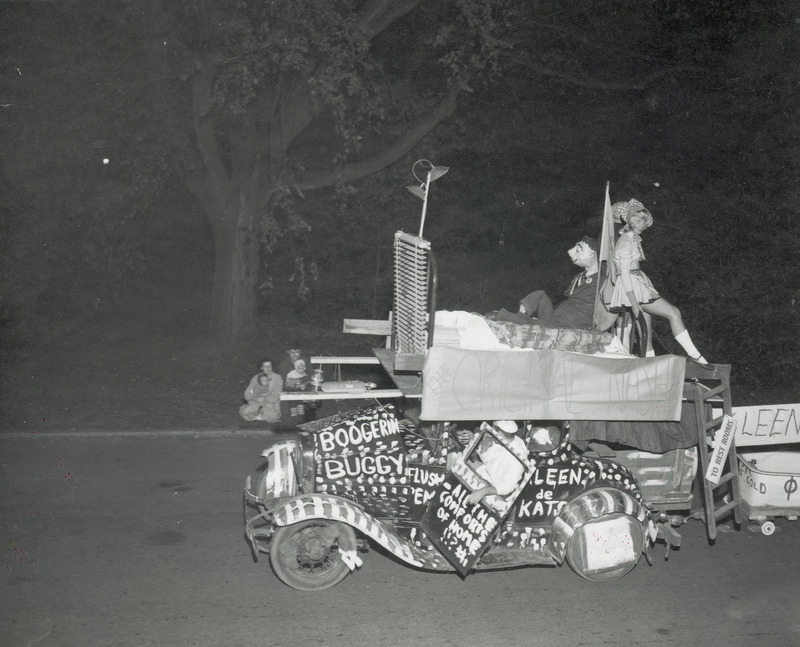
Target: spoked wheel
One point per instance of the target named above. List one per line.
(606, 548)
(307, 555)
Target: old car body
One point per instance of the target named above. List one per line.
(369, 476)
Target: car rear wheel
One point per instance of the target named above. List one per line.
(607, 547)
(308, 555)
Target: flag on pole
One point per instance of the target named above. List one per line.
(603, 319)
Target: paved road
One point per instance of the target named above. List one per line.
(127, 540)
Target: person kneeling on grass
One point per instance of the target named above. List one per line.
(263, 395)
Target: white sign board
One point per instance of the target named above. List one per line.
(723, 440)
(768, 424)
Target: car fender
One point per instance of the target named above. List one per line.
(586, 506)
(334, 508)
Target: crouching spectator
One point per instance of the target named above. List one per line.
(263, 395)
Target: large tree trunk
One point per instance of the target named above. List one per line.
(239, 159)
(236, 264)
(229, 200)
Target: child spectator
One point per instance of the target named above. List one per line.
(292, 371)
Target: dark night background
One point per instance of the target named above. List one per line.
(279, 123)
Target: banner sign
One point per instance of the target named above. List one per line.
(381, 466)
(459, 530)
(423, 481)
(360, 455)
(769, 424)
(365, 431)
(723, 440)
(549, 489)
(549, 385)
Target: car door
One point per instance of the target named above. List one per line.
(461, 531)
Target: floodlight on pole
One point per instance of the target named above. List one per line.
(421, 190)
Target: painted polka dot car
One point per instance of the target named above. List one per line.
(372, 476)
(607, 447)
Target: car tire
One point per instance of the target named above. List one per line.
(308, 555)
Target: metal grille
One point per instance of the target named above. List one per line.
(411, 294)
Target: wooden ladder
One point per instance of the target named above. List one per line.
(695, 390)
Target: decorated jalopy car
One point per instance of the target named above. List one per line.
(367, 476)
(613, 443)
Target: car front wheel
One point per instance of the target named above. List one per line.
(308, 555)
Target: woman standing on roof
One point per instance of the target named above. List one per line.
(633, 288)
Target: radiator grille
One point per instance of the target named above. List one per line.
(411, 294)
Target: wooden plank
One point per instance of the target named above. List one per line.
(367, 327)
(713, 372)
(410, 383)
(409, 362)
(313, 396)
(326, 359)
(411, 239)
(370, 327)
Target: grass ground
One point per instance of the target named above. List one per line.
(140, 376)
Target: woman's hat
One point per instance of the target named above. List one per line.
(621, 211)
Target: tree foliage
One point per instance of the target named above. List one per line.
(286, 97)
(293, 125)
(688, 108)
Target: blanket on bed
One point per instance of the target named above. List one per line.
(512, 332)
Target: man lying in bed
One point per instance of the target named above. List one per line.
(569, 326)
(577, 309)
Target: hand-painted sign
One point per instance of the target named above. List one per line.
(548, 490)
(369, 430)
(423, 481)
(769, 481)
(769, 424)
(723, 440)
(355, 466)
(459, 530)
(361, 456)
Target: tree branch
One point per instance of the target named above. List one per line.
(363, 168)
(215, 171)
(377, 15)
